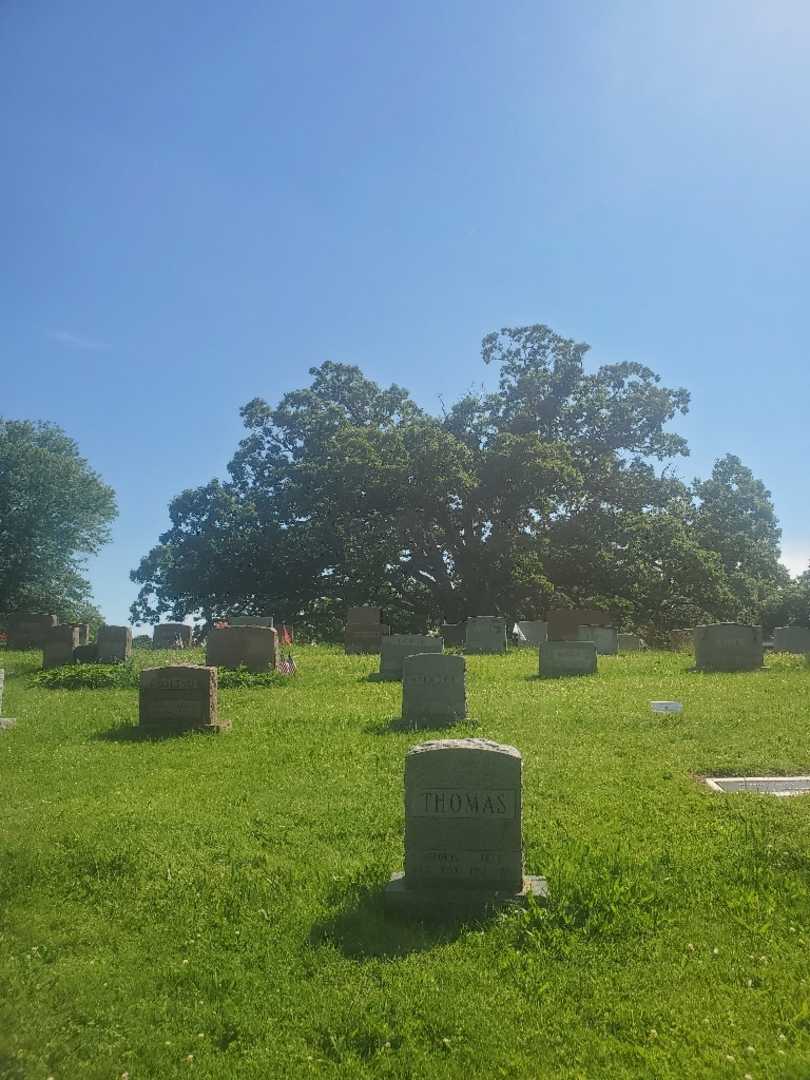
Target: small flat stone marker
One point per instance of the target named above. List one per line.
(666, 706)
(485, 634)
(396, 647)
(463, 842)
(559, 658)
(761, 785)
(180, 697)
(433, 690)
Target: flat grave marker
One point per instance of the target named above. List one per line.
(761, 785)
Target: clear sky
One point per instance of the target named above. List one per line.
(201, 201)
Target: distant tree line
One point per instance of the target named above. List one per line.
(558, 488)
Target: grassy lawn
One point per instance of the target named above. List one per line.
(211, 906)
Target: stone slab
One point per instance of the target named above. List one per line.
(763, 785)
(113, 644)
(59, 644)
(630, 643)
(605, 638)
(728, 647)
(562, 658)
(433, 690)
(171, 636)
(27, 630)
(395, 647)
(791, 639)
(254, 647)
(179, 697)
(535, 631)
(563, 622)
(485, 635)
(453, 633)
(447, 904)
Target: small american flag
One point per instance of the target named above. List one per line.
(285, 637)
(286, 665)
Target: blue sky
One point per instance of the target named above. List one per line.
(202, 201)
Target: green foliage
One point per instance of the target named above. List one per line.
(126, 675)
(220, 899)
(54, 511)
(548, 491)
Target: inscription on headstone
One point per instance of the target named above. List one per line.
(558, 658)
(433, 690)
(463, 842)
(396, 647)
(791, 639)
(113, 644)
(605, 638)
(485, 634)
(180, 697)
(254, 647)
(172, 635)
(728, 647)
(59, 644)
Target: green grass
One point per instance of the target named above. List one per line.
(211, 907)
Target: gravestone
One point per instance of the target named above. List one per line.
(792, 639)
(113, 644)
(396, 647)
(682, 640)
(433, 690)
(171, 635)
(563, 622)
(83, 630)
(463, 840)
(254, 647)
(630, 643)
(252, 620)
(534, 631)
(6, 722)
(728, 647)
(364, 631)
(180, 697)
(59, 644)
(485, 634)
(605, 638)
(26, 630)
(559, 658)
(86, 654)
(453, 633)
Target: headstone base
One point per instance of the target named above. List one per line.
(180, 727)
(444, 903)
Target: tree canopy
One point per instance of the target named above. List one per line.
(54, 512)
(556, 488)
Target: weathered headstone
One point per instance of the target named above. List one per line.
(6, 722)
(180, 697)
(463, 840)
(59, 644)
(364, 631)
(453, 633)
(254, 647)
(630, 643)
(563, 622)
(26, 630)
(86, 654)
(605, 638)
(682, 640)
(791, 639)
(534, 631)
(113, 644)
(558, 658)
(171, 635)
(728, 647)
(83, 630)
(433, 690)
(396, 647)
(485, 634)
(251, 620)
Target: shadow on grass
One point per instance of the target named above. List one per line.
(397, 726)
(133, 733)
(363, 930)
